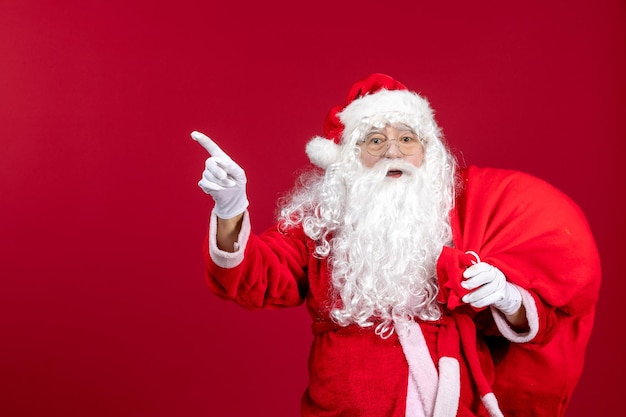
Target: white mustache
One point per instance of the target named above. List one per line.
(381, 168)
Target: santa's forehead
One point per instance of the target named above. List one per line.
(381, 127)
(381, 121)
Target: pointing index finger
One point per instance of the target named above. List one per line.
(208, 144)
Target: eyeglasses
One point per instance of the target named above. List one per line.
(377, 144)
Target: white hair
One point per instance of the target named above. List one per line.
(382, 236)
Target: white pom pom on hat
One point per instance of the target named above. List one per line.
(323, 152)
(375, 94)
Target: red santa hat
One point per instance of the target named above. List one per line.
(376, 98)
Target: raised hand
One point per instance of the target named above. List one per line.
(222, 179)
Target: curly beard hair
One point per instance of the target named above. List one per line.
(382, 236)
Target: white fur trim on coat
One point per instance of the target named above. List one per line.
(449, 390)
(222, 258)
(414, 407)
(421, 368)
(531, 315)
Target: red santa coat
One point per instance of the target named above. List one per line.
(532, 232)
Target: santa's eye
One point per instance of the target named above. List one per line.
(375, 140)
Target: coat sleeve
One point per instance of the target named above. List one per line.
(265, 271)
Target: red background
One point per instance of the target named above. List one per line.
(103, 306)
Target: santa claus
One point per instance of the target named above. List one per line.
(433, 290)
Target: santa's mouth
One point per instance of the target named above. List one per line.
(394, 173)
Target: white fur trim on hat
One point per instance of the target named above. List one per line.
(389, 106)
(323, 152)
(409, 107)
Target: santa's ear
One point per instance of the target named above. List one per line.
(323, 152)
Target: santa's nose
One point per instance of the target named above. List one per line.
(393, 150)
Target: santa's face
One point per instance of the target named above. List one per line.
(392, 142)
(387, 210)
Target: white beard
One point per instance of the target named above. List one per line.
(382, 236)
(383, 256)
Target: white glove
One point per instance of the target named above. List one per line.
(490, 288)
(222, 179)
